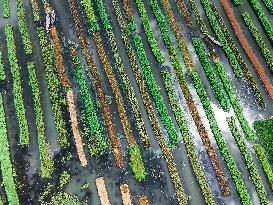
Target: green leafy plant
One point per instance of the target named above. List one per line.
(97, 82)
(137, 163)
(162, 23)
(232, 95)
(237, 2)
(234, 101)
(6, 8)
(259, 40)
(47, 164)
(268, 29)
(210, 73)
(17, 87)
(149, 32)
(269, 5)
(92, 119)
(264, 133)
(247, 48)
(6, 163)
(136, 157)
(188, 97)
(90, 16)
(23, 27)
(265, 164)
(2, 68)
(250, 164)
(154, 90)
(241, 61)
(131, 26)
(117, 94)
(181, 197)
(220, 140)
(115, 88)
(64, 179)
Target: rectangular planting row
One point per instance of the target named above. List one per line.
(259, 40)
(5, 159)
(201, 93)
(17, 85)
(23, 27)
(47, 164)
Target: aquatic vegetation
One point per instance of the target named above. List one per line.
(263, 130)
(263, 19)
(62, 198)
(126, 101)
(23, 27)
(259, 40)
(5, 159)
(47, 165)
(252, 82)
(6, 8)
(2, 67)
(17, 85)
(149, 32)
(265, 164)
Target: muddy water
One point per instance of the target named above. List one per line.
(158, 186)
